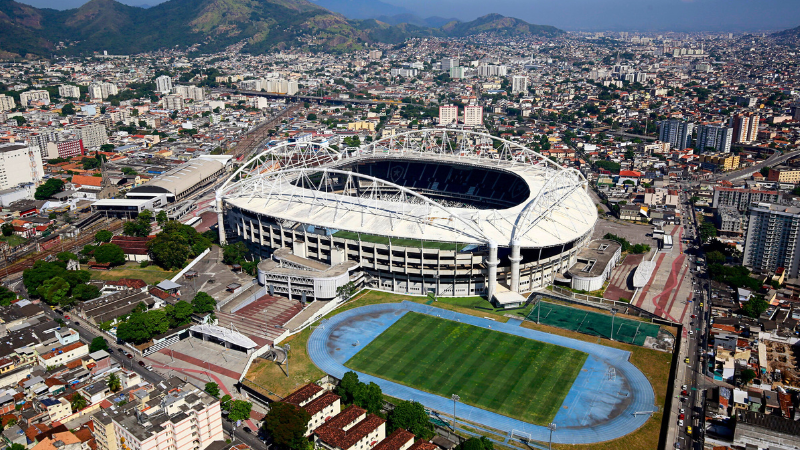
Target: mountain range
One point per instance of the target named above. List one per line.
(263, 25)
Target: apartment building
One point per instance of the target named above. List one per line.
(784, 174)
(318, 402)
(193, 92)
(473, 115)
(99, 91)
(351, 429)
(720, 161)
(7, 103)
(164, 84)
(745, 128)
(771, 238)
(172, 102)
(519, 84)
(61, 355)
(448, 114)
(28, 97)
(20, 164)
(714, 136)
(729, 220)
(177, 416)
(68, 149)
(677, 133)
(69, 91)
(93, 135)
(742, 198)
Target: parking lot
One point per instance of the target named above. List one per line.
(634, 233)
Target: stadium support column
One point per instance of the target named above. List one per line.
(492, 263)
(515, 259)
(220, 221)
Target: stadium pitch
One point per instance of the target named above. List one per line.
(507, 374)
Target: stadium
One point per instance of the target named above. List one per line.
(453, 212)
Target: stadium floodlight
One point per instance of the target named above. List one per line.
(552, 427)
(613, 313)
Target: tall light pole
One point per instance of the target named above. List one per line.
(613, 313)
(455, 398)
(552, 427)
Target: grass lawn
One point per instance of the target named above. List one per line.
(13, 240)
(151, 274)
(510, 375)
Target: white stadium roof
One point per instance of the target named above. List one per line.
(558, 209)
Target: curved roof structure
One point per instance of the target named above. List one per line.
(306, 183)
(180, 179)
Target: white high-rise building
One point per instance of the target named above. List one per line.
(192, 92)
(714, 136)
(163, 84)
(69, 91)
(675, 132)
(772, 239)
(448, 63)
(473, 115)
(519, 84)
(93, 135)
(172, 102)
(20, 163)
(745, 128)
(101, 90)
(6, 102)
(27, 97)
(457, 72)
(448, 114)
(486, 71)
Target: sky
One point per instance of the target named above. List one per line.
(595, 15)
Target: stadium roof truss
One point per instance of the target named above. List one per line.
(305, 175)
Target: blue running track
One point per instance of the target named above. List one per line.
(599, 407)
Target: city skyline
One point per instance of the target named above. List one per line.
(610, 15)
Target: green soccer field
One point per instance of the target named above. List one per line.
(510, 375)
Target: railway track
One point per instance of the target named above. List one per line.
(86, 237)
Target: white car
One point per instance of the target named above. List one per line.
(680, 423)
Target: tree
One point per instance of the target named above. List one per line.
(755, 306)
(168, 251)
(7, 296)
(68, 109)
(473, 443)
(765, 171)
(180, 314)
(161, 218)
(348, 387)
(370, 397)
(287, 425)
(78, 402)
(715, 257)
(234, 253)
(98, 343)
(212, 389)
(707, 230)
(411, 416)
(225, 402)
(203, 303)
(65, 257)
(346, 291)
(103, 236)
(48, 189)
(747, 376)
(7, 229)
(311, 116)
(240, 410)
(54, 290)
(129, 171)
(110, 253)
(114, 383)
(694, 199)
(85, 292)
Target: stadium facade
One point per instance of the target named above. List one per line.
(455, 212)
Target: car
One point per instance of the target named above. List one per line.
(681, 416)
(119, 349)
(689, 429)
(684, 392)
(150, 368)
(76, 323)
(247, 430)
(694, 316)
(691, 332)
(58, 311)
(684, 387)
(131, 356)
(680, 423)
(686, 360)
(66, 316)
(141, 363)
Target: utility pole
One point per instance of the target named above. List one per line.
(552, 427)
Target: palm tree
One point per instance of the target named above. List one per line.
(78, 402)
(113, 383)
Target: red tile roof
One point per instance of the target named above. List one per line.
(303, 395)
(423, 445)
(84, 180)
(332, 432)
(321, 402)
(396, 440)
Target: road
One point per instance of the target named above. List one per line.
(154, 378)
(775, 159)
(310, 98)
